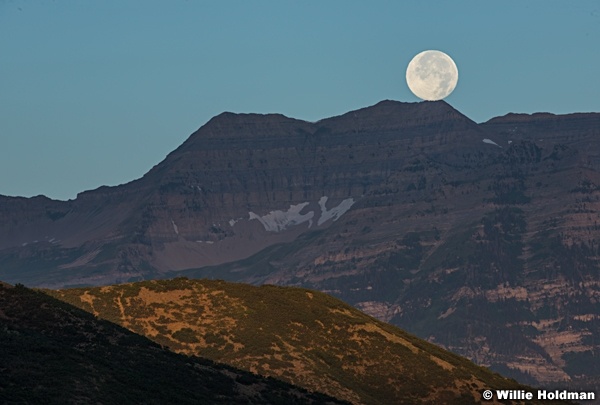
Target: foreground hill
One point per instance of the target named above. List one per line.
(304, 337)
(54, 353)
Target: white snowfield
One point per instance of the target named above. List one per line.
(277, 221)
(175, 227)
(486, 140)
(335, 212)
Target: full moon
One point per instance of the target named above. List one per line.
(432, 75)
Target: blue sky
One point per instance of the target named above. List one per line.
(97, 92)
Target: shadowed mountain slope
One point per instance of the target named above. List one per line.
(54, 353)
(304, 337)
(240, 183)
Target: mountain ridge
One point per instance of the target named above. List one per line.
(507, 118)
(139, 191)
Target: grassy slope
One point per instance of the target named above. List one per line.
(54, 353)
(304, 337)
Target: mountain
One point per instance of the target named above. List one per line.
(54, 353)
(482, 238)
(239, 184)
(304, 337)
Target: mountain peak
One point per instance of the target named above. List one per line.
(229, 125)
(388, 115)
(229, 116)
(520, 117)
(399, 107)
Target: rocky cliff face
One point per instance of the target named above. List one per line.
(239, 184)
(481, 238)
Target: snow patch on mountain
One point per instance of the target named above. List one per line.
(335, 212)
(489, 141)
(277, 221)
